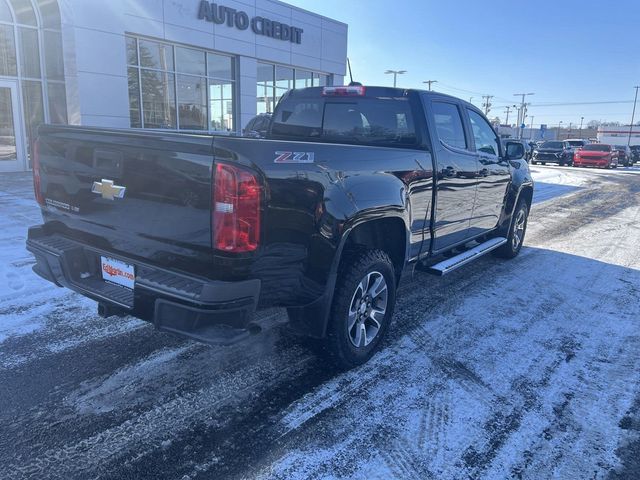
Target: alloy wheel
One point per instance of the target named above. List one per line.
(367, 309)
(519, 227)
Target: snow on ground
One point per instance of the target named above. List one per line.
(520, 369)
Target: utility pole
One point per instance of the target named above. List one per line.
(531, 132)
(522, 111)
(430, 82)
(633, 116)
(581, 122)
(487, 104)
(507, 110)
(395, 74)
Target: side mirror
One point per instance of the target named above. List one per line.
(515, 151)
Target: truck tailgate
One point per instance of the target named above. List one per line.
(146, 194)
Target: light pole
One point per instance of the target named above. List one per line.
(559, 127)
(633, 116)
(429, 82)
(581, 122)
(395, 74)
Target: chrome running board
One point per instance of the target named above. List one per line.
(453, 263)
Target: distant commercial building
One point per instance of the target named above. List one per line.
(619, 135)
(182, 65)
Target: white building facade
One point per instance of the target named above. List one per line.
(182, 65)
(624, 135)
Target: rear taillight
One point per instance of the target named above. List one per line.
(236, 209)
(37, 184)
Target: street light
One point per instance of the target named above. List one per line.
(559, 127)
(395, 74)
(581, 122)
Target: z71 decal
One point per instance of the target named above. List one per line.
(294, 157)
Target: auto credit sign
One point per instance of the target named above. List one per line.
(222, 15)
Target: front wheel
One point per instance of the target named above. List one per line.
(362, 308)
(517, 231)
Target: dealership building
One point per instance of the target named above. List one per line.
(181, 65)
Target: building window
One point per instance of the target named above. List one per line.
(179, 88)
(31, 51)
(275, 80)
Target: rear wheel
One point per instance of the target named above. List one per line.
(362, 308)
(517, 231)
(543, 163)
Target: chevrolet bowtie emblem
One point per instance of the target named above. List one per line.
(108, 190)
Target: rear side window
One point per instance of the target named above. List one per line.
(449, 124)
(485, 137)
(367, 121)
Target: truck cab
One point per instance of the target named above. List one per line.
(352, 188)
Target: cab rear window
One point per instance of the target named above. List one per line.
(365, 121)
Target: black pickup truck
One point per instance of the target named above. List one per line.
(352, 188)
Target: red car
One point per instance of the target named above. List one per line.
(596, 155)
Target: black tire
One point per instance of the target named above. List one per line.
(339, 345)
(544, 163)
(511, 249)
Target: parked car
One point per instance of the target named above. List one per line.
(596, 155)
(352, 188)
(635, 153)
(553, 152)
(624, 155)
(575, 144)
(258, 126)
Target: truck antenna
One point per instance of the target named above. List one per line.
(351, 74)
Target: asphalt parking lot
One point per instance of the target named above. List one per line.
(519, 369)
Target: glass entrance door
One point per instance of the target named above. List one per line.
(11, 145)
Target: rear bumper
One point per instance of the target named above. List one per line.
(209, 311)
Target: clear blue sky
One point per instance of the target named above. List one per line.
(564, 50)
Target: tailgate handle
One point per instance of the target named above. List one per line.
(108, 161)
